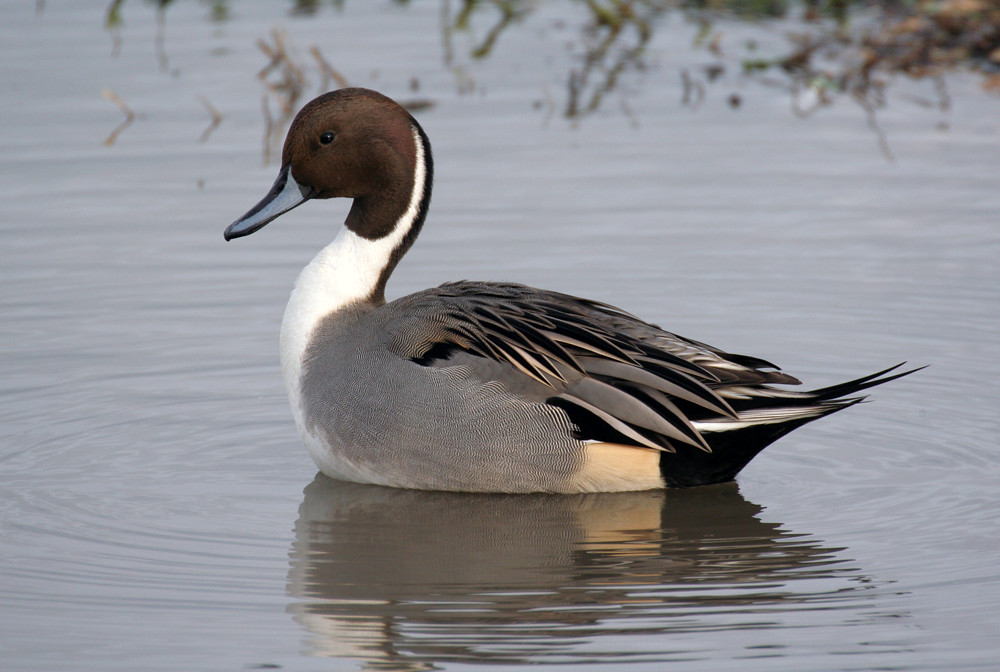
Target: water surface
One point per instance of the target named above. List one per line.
(158, 511)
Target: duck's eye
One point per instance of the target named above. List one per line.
(326, 138)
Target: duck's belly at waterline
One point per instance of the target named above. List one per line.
(606, 467)
(438, 429)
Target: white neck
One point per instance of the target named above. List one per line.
(344, 272)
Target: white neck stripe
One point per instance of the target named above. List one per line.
(343, 273)
(350, 267)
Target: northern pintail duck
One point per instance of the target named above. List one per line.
(482, 386)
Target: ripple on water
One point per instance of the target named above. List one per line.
(124, 552)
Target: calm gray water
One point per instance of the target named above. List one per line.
(157, 511)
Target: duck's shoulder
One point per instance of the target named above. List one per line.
(478, 309)
(540, 331)
(454, 314)
(473, 300)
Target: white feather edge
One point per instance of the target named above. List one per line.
(766, 416)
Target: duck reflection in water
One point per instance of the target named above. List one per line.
(402, 579)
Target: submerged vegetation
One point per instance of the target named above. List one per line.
(814, 51)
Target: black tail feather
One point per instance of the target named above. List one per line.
(862, 383)
(733, 449)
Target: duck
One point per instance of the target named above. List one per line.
(491, 387)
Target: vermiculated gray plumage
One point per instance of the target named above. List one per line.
(512, 378)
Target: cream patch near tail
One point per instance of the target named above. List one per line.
(614, 467)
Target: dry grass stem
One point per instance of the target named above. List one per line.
(215, 115)
(129, 115)
(285, 81)
(328, 71)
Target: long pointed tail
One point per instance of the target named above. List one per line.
(764, 415)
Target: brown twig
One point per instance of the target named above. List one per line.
(268, 128)
(286, 89)
(161, 37)
(328, 71)
(129, 115)
(216, 118)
